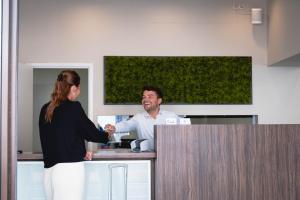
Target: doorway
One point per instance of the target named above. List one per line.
(35, 87)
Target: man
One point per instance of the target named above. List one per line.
(143, 123)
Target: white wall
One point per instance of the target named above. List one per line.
(85, 31)
(284, 31)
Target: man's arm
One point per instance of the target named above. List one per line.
(124, 126)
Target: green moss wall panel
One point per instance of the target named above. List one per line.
(184, 80)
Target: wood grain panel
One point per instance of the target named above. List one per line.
(228, 162)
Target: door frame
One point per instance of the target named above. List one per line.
(57, 65)
(9, 58)
(88, 66)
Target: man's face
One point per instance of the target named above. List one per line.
(150, 101)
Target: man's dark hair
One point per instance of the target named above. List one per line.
(154, 89)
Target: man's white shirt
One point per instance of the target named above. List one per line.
(143, 124)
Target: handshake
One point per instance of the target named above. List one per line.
(110, 129)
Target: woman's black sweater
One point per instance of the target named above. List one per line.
(63, 139)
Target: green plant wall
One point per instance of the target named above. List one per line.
(183, 80)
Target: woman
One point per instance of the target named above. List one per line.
(63, 128)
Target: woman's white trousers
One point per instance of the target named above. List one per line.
(65, 181)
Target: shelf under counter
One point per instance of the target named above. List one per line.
(101, 154)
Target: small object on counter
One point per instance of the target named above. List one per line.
(104, 146)
(140, 145)
(113, 145)
(110, 145)
(125, 143)
(136, 149)
(20, 151)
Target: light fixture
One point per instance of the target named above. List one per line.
(256, 16)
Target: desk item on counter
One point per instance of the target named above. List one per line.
(125, 143)
(185, 121)
(140, 145)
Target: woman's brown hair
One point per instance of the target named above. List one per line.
(65, 80)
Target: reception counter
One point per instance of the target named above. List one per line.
(112, 174)
(102, 154)
(228, 162)
(191, 162)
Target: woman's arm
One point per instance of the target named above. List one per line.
(88, 128)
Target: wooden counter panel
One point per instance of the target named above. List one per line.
(228, 162)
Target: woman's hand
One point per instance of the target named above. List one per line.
(88, 155)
